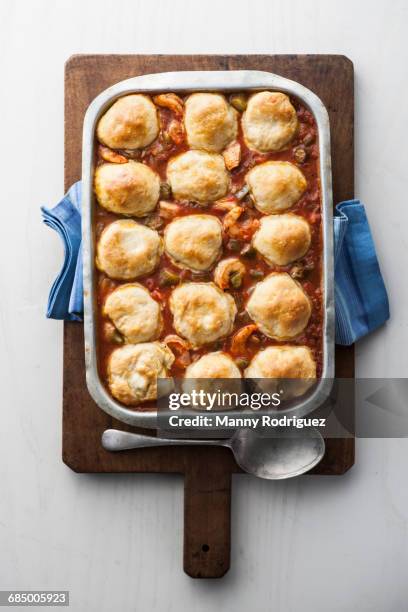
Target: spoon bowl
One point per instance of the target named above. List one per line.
(288, 453)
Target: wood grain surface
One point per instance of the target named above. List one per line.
(207, 471)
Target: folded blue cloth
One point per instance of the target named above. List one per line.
(360, 295)
(66, 296)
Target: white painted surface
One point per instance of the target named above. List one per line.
(115, 542)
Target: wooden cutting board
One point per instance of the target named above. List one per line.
(207, 472)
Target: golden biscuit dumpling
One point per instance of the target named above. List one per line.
(130, 188)
(126, 250)
(194, 241)
(133, 370)
(282, 239)
(134, 313)
(202, 313)
(291, 368)
(212, 373)
(130, 123)
(279, 306)
(275, 186)
(269, 122)
(213, 365)
(198, 176)
(210, 122)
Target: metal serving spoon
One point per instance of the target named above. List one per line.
(292, 453)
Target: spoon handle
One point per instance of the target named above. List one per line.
(116, 440)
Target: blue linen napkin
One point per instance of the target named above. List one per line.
(66, 295)
(360, 295)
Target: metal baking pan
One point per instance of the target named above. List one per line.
(186, 82)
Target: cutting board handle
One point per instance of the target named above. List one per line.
(207, 517)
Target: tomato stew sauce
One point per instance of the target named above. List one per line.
(304, 153)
